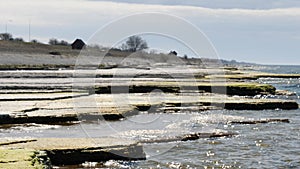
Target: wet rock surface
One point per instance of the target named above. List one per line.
(103, 107)
(78, 150)
(115, 93)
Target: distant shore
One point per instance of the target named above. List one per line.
(27, 55)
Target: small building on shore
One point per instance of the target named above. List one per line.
(173, 52)
(78, 44)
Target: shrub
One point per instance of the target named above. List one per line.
(19, 39)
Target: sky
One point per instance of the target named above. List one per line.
(265, 32)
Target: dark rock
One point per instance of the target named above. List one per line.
(261, 121)
(54, 53)
(190, 137)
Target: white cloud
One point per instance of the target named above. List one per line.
(57, 12)
(227, 4)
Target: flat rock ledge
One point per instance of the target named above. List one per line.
(69, 151)
(46, 152)
(8, 118)
(241, 89)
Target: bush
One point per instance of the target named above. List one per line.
(34, 41)
(19, 39)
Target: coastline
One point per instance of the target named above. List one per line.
(40, 88)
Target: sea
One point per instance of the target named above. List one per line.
(268, 145)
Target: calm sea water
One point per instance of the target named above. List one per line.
(273, 145)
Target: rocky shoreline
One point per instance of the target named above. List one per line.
(51, 93)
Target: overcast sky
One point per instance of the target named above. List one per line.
(250, 30)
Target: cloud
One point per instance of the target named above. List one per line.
(56, 12)
(227, 4)
(84, 17)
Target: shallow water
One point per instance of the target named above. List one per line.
(273, 145)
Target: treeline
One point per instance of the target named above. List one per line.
(9, 37)
(133, 43)
(52, 41)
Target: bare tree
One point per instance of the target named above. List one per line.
(134, 43)
(64, 43)
(53, 41)
(6, 36)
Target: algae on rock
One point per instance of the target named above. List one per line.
(22, 158)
